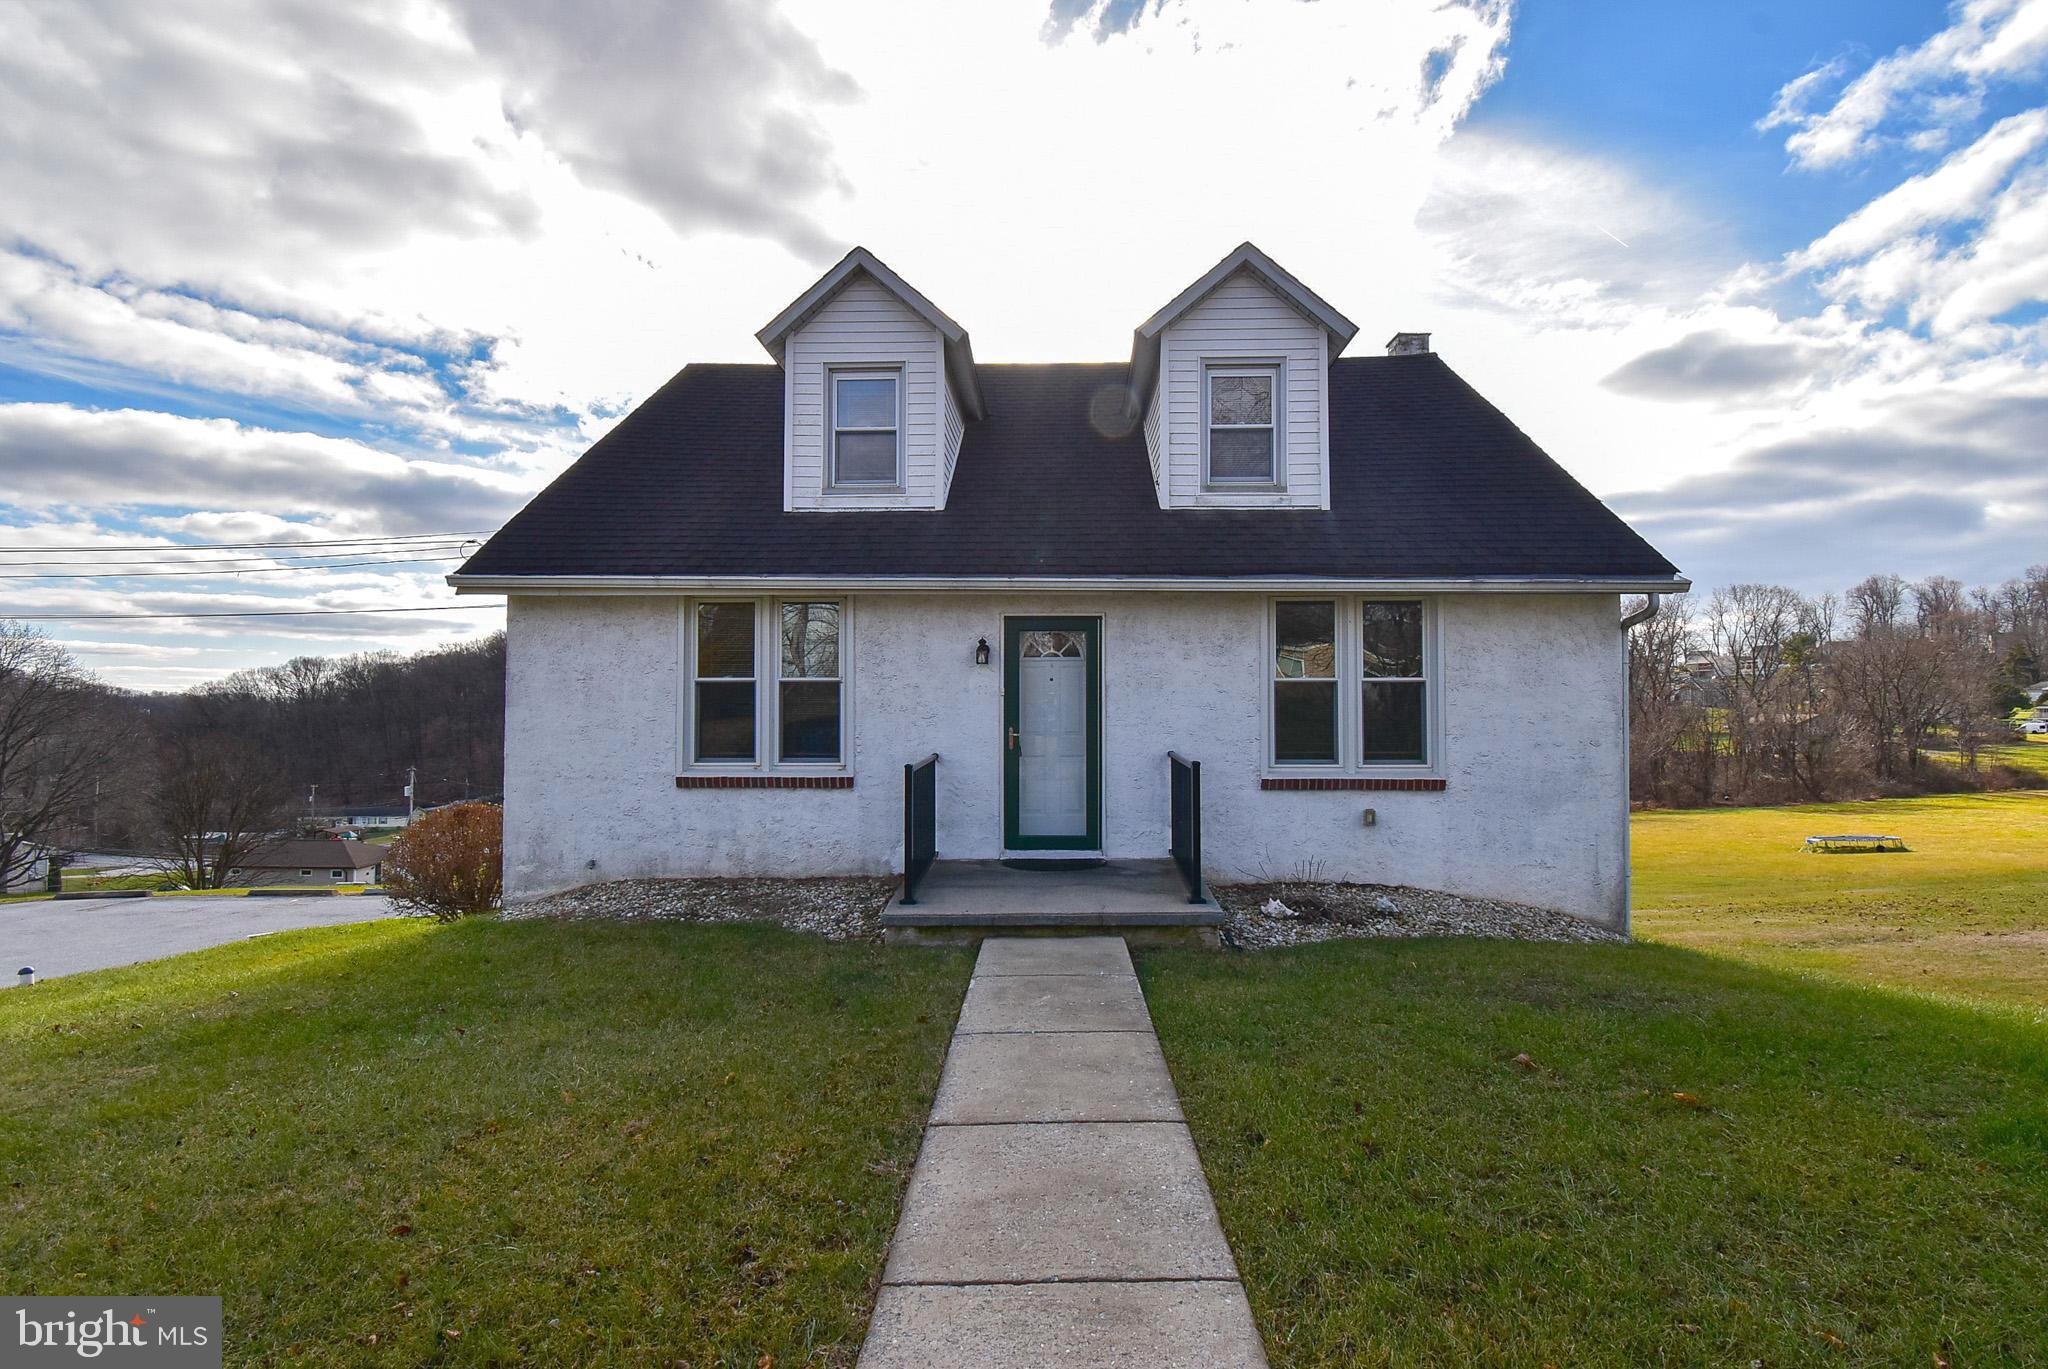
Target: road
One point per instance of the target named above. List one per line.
(91, 934)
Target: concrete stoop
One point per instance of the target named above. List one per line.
(1058, 1214)
(966, 900)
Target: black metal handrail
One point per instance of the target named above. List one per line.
(1184, 780)
(920, 822)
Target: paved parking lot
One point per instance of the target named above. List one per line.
(91, 934)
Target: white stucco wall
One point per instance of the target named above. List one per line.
(1532, 694)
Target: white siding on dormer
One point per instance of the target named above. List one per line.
(864, 325)
(952, 428)
(1240, 321)
(1153, 438)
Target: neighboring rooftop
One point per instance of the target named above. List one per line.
(1429, 480)
(314, 855)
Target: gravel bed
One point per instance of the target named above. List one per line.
(1258, 916)
(841, 909)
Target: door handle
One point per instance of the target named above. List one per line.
(1013, 739)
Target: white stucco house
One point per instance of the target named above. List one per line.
(1340, 583)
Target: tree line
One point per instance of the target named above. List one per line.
(1761, 694)
(200, 778)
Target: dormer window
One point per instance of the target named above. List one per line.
(1241, 442)
(867, 430)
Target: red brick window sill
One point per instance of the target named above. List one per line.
(1355, 784)
(764, 781)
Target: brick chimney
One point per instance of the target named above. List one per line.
(1408, 345)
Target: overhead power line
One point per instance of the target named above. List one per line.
(267, 558)
(252, 613)
(221, 574)
(252, 546)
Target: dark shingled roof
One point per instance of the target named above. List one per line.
(1428, 480)
(314, 854)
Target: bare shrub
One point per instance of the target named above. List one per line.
(450, 862)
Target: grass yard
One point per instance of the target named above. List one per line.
(482, 1144)
(1964, 913)
(1709, 1163)
(2029, 755)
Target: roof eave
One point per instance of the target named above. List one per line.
(1453, 584)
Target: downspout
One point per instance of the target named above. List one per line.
(1651, 602)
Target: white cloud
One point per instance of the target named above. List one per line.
(1932, 87)
(58, 456)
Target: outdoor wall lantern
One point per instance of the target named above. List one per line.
(981, 652)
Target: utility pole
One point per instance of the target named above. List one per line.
(411, 776)
(312, 801)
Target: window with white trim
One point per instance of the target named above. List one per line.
(1393, 712)
(767, 682)
(1241, 425)
(867, 429)
(1305, 682)
(809, 686)
(724, 704)
(1351, 683)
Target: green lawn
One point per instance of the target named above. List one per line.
(1963, 913)
(1850, 1176)
(482, 1144)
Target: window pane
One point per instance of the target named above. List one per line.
(1393, 722)
(725, 640)
(1240, 399)
(864, 459)
(725, 722)
(865, 404)
(810, 720)
(810, 640)
(1241, 454)
(1304, 639)
(1393, 638)
(1304, 721)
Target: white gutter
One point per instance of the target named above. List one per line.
(736, 584)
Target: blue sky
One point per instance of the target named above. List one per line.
(287, 288)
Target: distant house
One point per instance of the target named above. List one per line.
(371, 815)
(311, 862)
(34, 879)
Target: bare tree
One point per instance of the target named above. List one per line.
(1661, 714)
(216, 800)
(58, 743)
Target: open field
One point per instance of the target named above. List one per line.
(1964, 912)
(2029, 755)
(488, 1143)
(1703, 1163)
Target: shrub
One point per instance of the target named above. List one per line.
(450, 862)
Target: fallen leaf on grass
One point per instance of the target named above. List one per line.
(1939, 1362)
(1686, 1098)
(1524, 1061)
(1832, 1339)
(401, 1230)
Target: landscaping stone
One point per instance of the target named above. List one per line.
(839, 909)
(1259, 916)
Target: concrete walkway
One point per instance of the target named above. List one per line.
(1058, 1214)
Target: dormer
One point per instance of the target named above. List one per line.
(1233, 378)
(878, 387)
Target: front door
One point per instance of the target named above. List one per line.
(1052, 734)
